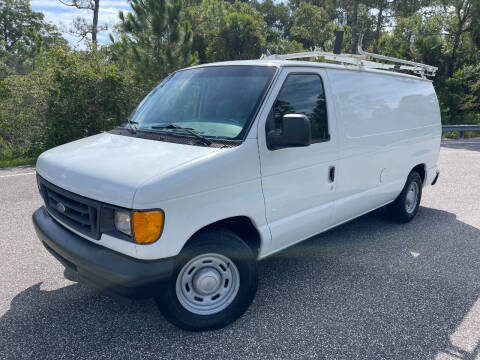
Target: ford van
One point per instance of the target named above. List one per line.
(224, 164)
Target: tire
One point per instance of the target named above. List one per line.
(215, 262)
(406, 205)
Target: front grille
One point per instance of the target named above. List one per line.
(75, 211)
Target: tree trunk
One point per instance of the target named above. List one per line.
(453, 59)
(354, 27)
(378, 30)
(463, 18)
(456, 40)
(5, 31)
(96, 8)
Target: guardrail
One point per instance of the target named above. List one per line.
(460, 129)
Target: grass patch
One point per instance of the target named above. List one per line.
(17, 161)
(17, 156)
(456, 134)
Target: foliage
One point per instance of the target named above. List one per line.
(74, 95)
(277, 19)
(23, 35)
(50, 94)
(475, 33)
(22, 112)
(460, 96)
(225, 31)
(416, 38)
(80, 26)
(239, 38)
(313, 26)
(88, 94)
(157, 37)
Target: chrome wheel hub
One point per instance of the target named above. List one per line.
(207, 284)
(411, 200)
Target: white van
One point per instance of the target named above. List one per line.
(224, 164)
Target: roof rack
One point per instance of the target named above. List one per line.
(362, 60)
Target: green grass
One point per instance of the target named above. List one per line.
(455, 134)
(17, 161)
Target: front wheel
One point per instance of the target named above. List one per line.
(406, 205)
(214, 282)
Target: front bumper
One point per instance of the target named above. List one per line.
(97, 264)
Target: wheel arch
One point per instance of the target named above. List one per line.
(242, 226)
(421, 169)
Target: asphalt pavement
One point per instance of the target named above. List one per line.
(369, 289)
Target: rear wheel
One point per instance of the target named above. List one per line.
(406, 205)
(214, 282)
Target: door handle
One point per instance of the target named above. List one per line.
(331, 174)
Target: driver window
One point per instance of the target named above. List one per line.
(302, 94)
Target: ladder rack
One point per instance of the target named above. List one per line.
(363, 60)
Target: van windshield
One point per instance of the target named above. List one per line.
(215, 102)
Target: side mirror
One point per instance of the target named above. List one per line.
(296, 132)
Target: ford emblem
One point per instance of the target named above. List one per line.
(61, 207)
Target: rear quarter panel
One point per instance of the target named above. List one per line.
(388, 124)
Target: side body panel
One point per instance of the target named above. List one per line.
(299, 197)
(388, 125)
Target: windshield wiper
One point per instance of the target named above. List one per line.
(132, 126)
(202, 138)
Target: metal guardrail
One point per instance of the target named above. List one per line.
(460, 129)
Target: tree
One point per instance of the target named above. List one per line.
(408, 8)
(80, 26)
(225, 31)
(295, 4)
(239, 38)
(459, 96)
(476, 23)
(313, 26)
(470, 78)
(384, 11)
(23, 102)
(354, 26)
(20, 26)
(158, 36)
(276, 17)
(357, 19)
(417, 38)
(460, 24)
(23, 34)
(87, 94)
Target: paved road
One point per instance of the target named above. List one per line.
(370, 289)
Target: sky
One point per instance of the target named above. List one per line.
(62, 16)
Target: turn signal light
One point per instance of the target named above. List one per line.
(147, 226)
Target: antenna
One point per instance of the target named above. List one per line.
(337, 49)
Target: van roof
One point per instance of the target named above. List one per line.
(309, 64)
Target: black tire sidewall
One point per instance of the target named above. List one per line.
(222, 242)
(397, 208)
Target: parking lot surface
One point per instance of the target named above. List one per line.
(369, 289)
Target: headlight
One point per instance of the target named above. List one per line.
(123, 222)
(144, 226)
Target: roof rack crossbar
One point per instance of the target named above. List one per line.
(362, 60)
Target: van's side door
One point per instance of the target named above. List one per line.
(299, 182)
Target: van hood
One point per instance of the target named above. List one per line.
(110, 168)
